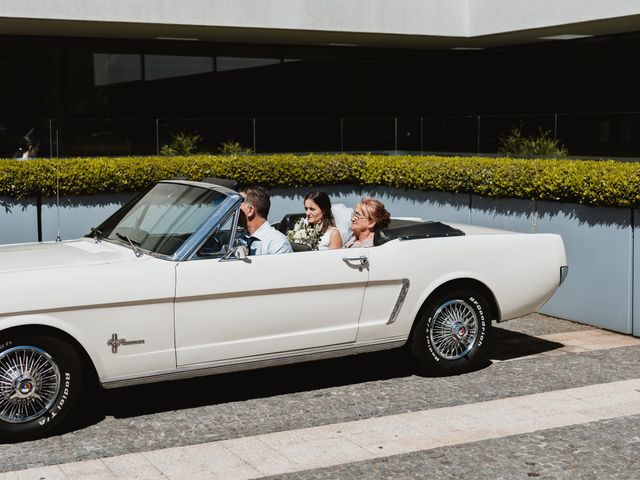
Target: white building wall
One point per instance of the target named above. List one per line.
(417, 17)
(499, 16)
(444, 18)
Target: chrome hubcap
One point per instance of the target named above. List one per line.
(24, 387)
(29, 383)
(454, 329)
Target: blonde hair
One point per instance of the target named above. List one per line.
(375, 211)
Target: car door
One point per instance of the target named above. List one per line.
(267, 305)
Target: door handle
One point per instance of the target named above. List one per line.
(357, 262)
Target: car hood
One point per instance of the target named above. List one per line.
(48, 255)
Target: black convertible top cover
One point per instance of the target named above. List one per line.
(417, 230)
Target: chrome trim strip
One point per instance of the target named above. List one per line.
(270, 291)
(252, 363)
(400, 301)
(132, 303)
(564, 271)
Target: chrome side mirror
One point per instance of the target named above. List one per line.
(239, 252)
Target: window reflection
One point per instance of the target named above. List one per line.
(238, 63)
(111, 68)
(169, 66)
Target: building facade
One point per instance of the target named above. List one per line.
(118, 77)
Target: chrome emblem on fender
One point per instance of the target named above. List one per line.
(116, 342)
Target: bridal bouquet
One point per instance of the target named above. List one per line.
(305, 234)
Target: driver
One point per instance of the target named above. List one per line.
(262, 238)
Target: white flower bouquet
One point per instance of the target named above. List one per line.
(305, 234)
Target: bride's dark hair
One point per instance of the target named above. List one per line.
(322, 200)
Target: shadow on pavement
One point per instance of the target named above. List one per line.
(248, 385)
(508, 345)
(267, 382)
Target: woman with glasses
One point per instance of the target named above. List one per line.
(317, 208)
(368, 216)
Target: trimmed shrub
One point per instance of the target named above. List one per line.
(181, 144)
(579, 181)
(517, 145)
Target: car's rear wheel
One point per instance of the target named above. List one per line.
(40, 381)
(451, 333)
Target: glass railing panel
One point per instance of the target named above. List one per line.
(298, 135)
(24, 138)
(103, 137)
(409, 135)
(601, 135)
(450, 135)
(369, 135)
(495, 127)
(212, 132)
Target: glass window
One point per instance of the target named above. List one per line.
(163, 218)
(31, 79)
(219, 241)
(238, 63)
(112, 68)
(171, 66)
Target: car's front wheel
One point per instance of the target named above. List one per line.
(40, 381)
(451, 333)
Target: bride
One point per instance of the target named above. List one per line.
(317, 208)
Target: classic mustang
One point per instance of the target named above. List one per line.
(164, 290)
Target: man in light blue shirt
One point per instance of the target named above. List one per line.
(262, 238)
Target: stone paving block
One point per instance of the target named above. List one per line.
(132, 466)
(613, 398)
(260, 456)
(305, 452)
(193, 475)
(223, 462)
(619, 410)
(49, 473)
(206, 460)
(87, 470)
(174, 462)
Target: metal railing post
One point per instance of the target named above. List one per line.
(255, 149)
(50, 142)
(478, 137)
(395, 143)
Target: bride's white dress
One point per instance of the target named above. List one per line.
(323, 244)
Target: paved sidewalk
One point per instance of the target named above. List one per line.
(319, 447)
(333, 450)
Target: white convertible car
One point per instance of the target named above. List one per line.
(164, 290)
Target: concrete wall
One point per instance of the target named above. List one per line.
(498, 16)
(452, 18)
(604, 259)
(413, 17)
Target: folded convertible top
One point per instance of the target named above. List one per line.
(416, 230)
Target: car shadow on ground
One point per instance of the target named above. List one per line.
(510, 345)
(267, 382)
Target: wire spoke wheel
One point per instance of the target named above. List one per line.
(454, 329)
(29, 383)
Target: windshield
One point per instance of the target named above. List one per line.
(163, 218)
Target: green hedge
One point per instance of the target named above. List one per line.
(580, 181)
